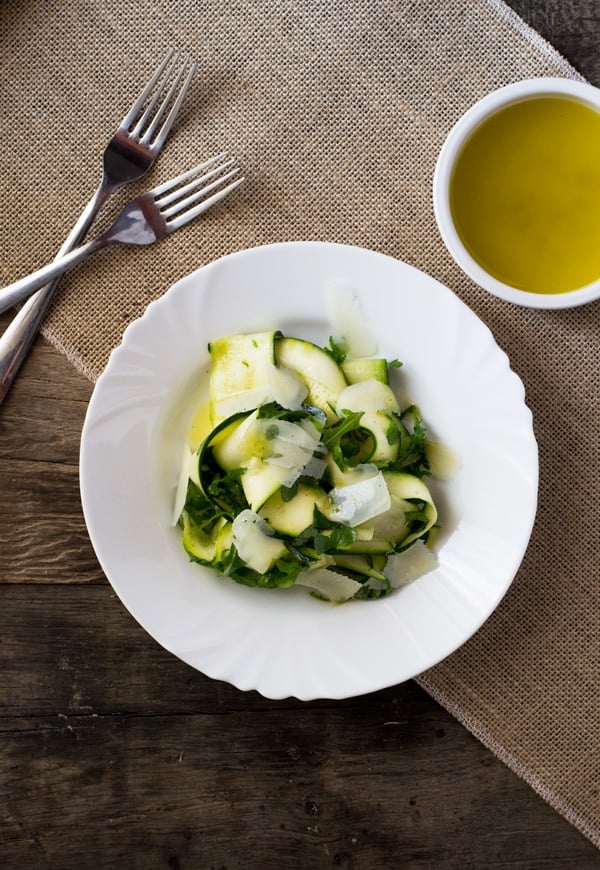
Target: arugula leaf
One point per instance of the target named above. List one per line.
(415, 520)
(320, 521)
(224, 489)
(285, 572)
(367, 593)
(282, 575)
(227, 490)
(336, 441)
(325, 535)
(202, 512)
(272, 410)
(392, 433)
(337, 349)
(288, 492)
(412, 456)
(333, 539)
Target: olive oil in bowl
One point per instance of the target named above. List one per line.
(524, 194)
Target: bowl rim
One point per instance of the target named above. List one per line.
(451, 147)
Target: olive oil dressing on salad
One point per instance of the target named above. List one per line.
(308, 473)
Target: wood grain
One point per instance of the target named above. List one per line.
(113, 753)
(40, 428)
(107, 739)
(571, 26)
(307, 788)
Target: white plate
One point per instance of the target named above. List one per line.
(284, 642)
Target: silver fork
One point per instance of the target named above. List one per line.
(146, 219)
(128, 156)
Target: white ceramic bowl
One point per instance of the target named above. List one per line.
(441, 185)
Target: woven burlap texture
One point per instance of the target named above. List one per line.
(336, 112)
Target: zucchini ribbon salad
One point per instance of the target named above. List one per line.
(309, 473)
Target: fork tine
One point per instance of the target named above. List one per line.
(187, 216)
(152, 116)
(168, 121)
(179, 193)
(139, 103)
(174, 182)
(182, 204)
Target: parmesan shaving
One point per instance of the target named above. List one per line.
(287, 388)
(182, 484)
(253, 541)
(360, 502)
(402, 568)
(333, 586)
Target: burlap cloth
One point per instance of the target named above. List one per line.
(336, 112)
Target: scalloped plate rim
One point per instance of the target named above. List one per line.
(252, 668)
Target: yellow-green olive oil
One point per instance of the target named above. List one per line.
(525, 194)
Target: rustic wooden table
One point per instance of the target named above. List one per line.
(115, 754)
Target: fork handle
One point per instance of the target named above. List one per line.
(22, 330)
(13, 293)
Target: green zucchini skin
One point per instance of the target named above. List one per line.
(240, 369)
(324, 377)
(357, 370)
(292, 517)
